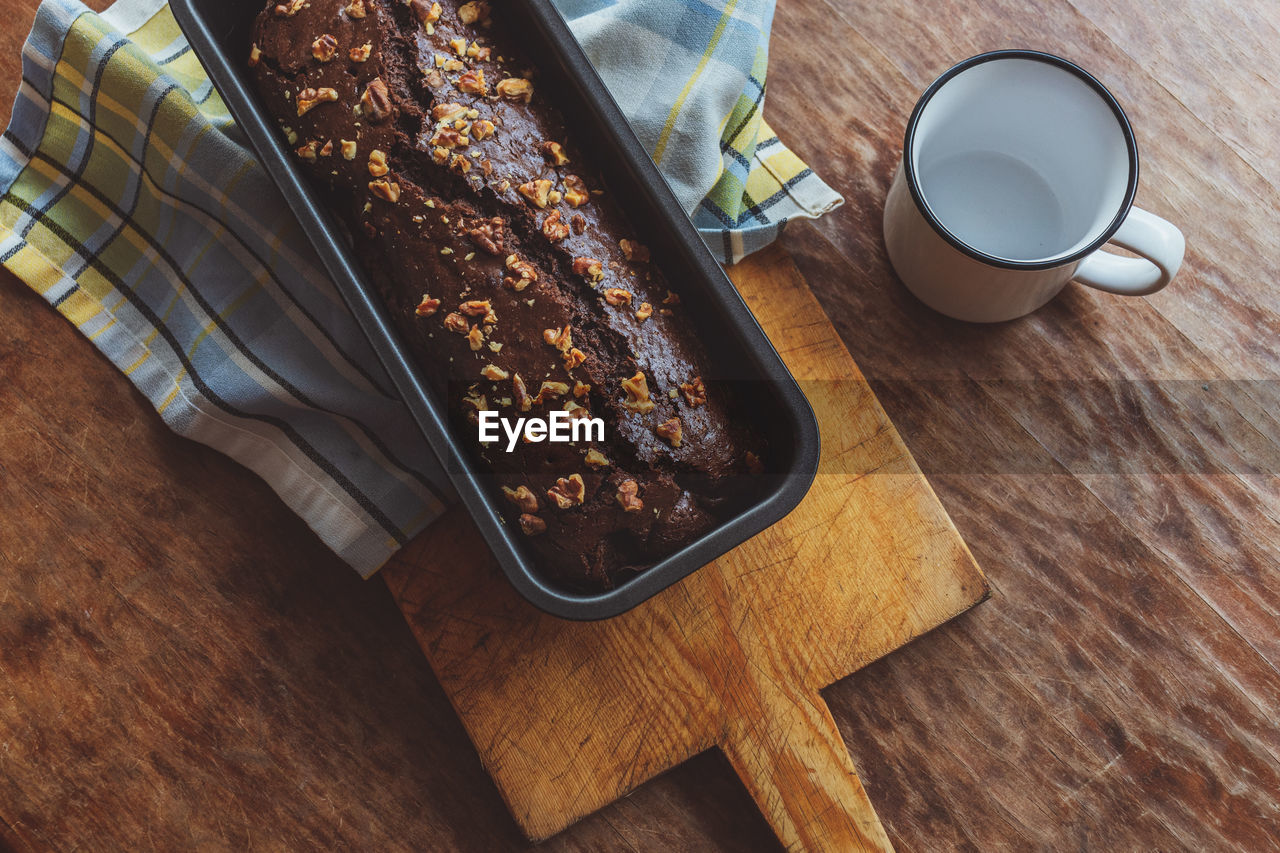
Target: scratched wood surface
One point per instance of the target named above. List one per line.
(188, 667)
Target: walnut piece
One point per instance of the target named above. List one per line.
(376, 101)
(324, 48)
(634, 251)
(378, 163)
(617, 296)
(475, 338)
(307, 151)
(385, 190)
(348, 149)
(475, 307)
(575, 191)
(361, 53)
(536, 192)
(255, 55)
(627, 496)
(455, 322)
(493, 372)
(308, 98)
(289, 8)
(482, 129)
(596, 459)
(474, 12)
(568, 491)
(553, 152)
(670, 430)
(637, 388)
(532, 525)
(553, 229)
(525, 273)
(426, 13)
(523, 497)
(358, 8)
(427, 306)
(488, 235)
(561, 339)
(473, 83)
(523, 401)
(589, 268)
(695, 393)
(573, 358)
(644, 312)
(515, 89)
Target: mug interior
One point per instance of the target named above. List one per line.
(1022, 158)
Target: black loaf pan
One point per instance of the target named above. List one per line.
(219, 32)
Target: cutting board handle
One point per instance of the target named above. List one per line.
(797, 769)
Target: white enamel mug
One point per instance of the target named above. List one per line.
(1017, 167)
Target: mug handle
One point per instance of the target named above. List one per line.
(1161, 245)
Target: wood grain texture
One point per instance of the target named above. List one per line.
(232, 685)
(569, 717)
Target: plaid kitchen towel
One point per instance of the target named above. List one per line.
(130, 202)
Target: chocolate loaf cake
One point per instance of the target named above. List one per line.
(512, 274)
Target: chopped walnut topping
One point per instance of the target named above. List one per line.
(561, 339)
(515, 89)
(576, 412)
(255, 55)
(579, 223)
(378, 163)
(348, 149)
(754, 466)
(644, 312)
(596, 459)
(455, 322)
(447, 112)
(459, 46)
(448, 138)
(427, 13)
(358, 8)
(555, 196)
(453, 65)
(488, 235)
(475, 338)
(475, 51)
(289, 8)
(309, 98)
(482, 129)
(554, 153)
(523, 497)
(459, 164)
(361, 53)
(575, 191)
(670, 430)
(523, 401)
(588, 267)
(327, 148)
(492, 371)
(695, 393)
(473, 83)
(627, 496)
(440, 155)
(475, 307)
(617, 296)
(525, 273)
(427, 306)
(434, 79)
(671, 299)
(553, 228)
(568, 491)
(386, 190)
(376, 101)
(634, 251)
(581, 389)
(324, 48)
(573, 358)
(470, 13)
(537, 192)
(531, 524)
(550, 390)
(637, 388)
(308, 151)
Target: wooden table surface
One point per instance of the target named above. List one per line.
(183, 665)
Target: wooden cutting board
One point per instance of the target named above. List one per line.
(567, 717)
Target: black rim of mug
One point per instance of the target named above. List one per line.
(994, 260)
